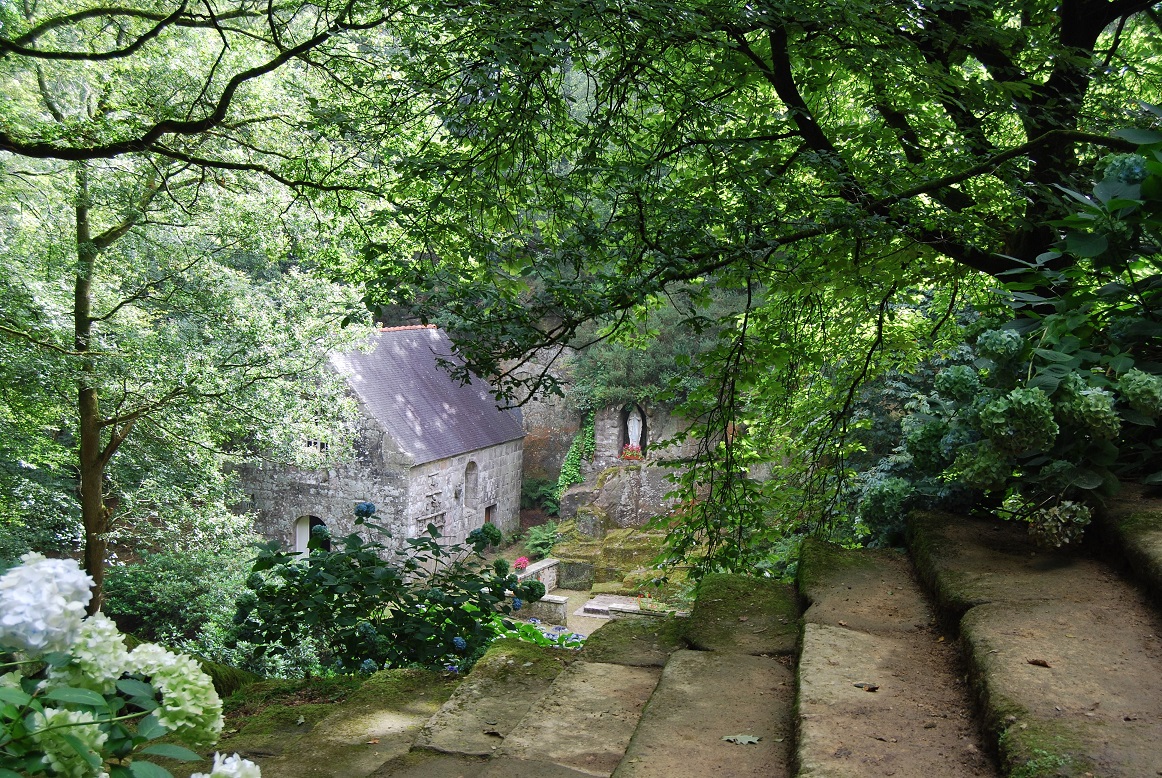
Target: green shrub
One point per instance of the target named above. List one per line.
(433, 604)
(172, 597)
(541, 539)
(539, 493)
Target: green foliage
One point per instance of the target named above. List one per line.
(1062, 401)
(883, 508)
(646, 360)
(1020, 421)
(581, 449)
(540, 493)
(541, 539)
(176, 597)
(1142, 392)
(433, 604)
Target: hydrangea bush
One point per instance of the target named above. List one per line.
(1057, 399)
(373, 606)
(76, 702)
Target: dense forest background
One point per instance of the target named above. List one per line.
(881, 255)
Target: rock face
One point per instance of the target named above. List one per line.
(549, 423)
(623, 495)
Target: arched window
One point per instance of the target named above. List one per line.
(303, 527)
(471, 485)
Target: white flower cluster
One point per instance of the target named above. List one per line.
(189, 705)
(42, 603)
(231, 767)
(42, 608)
(100, 657)
(49, 731)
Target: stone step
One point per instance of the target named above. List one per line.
(1065, 656)
(585, 721)
(489, 704)
(704, 697)
(880, 692)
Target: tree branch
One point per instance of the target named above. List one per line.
(7, 46)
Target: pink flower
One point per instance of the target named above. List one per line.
(521, 563)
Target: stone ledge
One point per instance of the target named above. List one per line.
(551, 608)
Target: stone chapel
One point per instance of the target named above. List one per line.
(429, 451)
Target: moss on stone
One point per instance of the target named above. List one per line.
(1027, 746)
(740, 614)
(253, 698)
(819, 560)
(227, 679)
(511, 656)
(608, 587)
(929, 546)
(640, 641)
(391, 689)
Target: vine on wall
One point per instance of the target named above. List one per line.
(582, 447)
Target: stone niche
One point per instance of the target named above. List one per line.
(619, 493)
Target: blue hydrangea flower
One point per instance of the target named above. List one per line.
(368, 666)
(365, 509)
(517, 603)
(534, 621)
(366, 630)
(459, 643)
(452, 668)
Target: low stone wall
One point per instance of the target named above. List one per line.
(544, 571)
(552, 608)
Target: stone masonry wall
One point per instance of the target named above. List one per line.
(378, 473)
(439, 492)
(549, 423)
(406, 498)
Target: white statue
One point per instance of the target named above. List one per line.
(633, 425)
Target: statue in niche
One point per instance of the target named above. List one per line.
(633, 426)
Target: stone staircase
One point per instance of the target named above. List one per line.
(987, 657)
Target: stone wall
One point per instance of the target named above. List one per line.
(407, 498)
(443, 493)
(377, 473)
(609, 436)
(622, 495)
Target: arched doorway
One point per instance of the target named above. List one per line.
(303, 527)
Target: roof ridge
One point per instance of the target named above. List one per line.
(408, 327)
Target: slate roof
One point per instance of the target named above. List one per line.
(429, 415)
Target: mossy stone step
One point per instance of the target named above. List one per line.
(585, 721)
(879, 690)
(703, 697)
(636, 640)
(1134, 524)
(744, 615)
(493, 699)
(1065, 656)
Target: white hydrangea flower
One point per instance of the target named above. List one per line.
(231, 767)
(100, 657)
(42, 603)
(189, 705)
(48, 731)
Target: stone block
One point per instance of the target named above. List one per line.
(575, 574)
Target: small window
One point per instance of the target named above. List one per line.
(317, 446)
(490, 514)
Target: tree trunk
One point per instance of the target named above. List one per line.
(94, 513)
